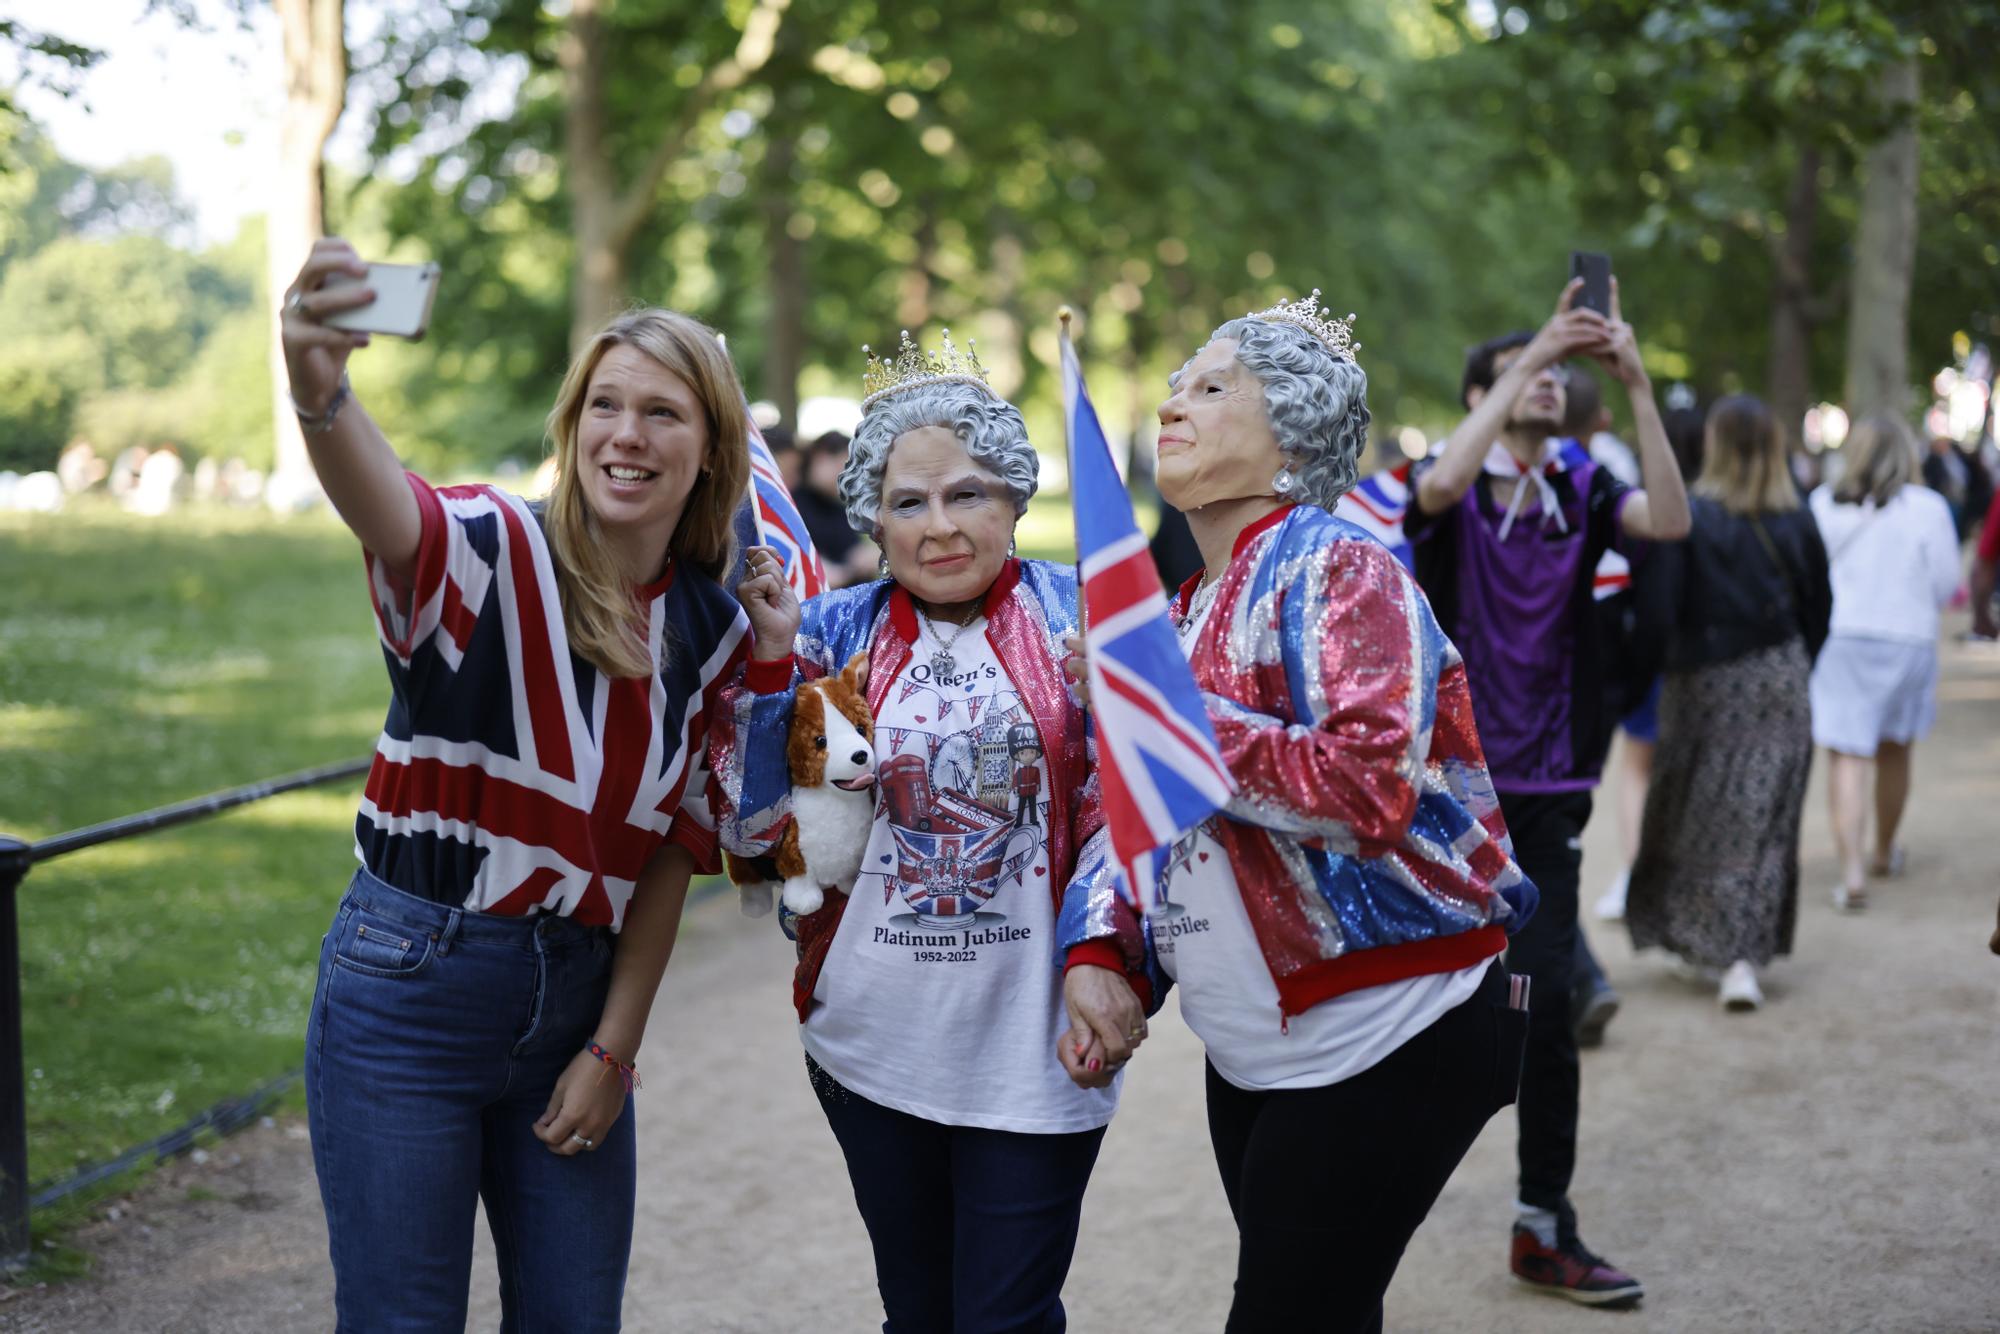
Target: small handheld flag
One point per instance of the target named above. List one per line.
(1161, 770)
(769, 518)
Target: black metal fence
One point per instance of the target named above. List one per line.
(17, 858)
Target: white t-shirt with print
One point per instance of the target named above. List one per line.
(1206, 944)
(941, 995)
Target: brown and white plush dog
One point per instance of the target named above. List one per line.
(831, 755)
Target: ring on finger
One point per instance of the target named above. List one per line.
(586, 1143)
(295, 304)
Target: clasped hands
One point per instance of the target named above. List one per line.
(1106, 1025)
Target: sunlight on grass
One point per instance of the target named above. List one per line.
(161, 660)
(1047, 531)
(326, 809)
(218, 669)
(25, 726)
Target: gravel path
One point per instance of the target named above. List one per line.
(1825, 1164)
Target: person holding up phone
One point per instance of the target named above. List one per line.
(538, 800)
(1508, 532)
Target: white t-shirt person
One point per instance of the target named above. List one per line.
(1229, 998)
(941, 995)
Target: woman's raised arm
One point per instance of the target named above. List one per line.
(356, 465)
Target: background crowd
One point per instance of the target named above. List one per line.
(815, 175)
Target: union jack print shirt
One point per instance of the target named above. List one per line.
(513, 776)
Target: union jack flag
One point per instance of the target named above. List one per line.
(773, 520)
(1157, 759)
(1377, 505)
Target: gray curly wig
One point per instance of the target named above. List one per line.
(1317, 403)
(989, 427)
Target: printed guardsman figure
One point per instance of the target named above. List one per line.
(1026, 748)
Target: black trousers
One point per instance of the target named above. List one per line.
(1329, 1184)
(1548, 843)
(972, 1229)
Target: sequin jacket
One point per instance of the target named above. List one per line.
(1030, 607)
(1365, 834)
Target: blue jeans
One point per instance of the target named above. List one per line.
(973, 1229)
(436, 1038)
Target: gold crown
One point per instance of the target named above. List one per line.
(1337, 334)
(913, 367)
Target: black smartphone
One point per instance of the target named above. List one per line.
(1595, 270)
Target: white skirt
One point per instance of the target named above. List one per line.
(1866, 691)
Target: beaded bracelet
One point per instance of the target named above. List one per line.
(320, 423)
(627, 1070)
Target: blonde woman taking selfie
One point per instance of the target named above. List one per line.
(537, 803)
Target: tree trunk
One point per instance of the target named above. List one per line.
(1135, 462)
(315, 53)
(1885, 251)
(1002, 351)
(605, 217)
(785, 338)
(913, 286)
(593, 195)
(1789, 385)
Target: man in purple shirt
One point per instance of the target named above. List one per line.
(1508, 532)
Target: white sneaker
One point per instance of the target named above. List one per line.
(1611, 903)
(1739, 987)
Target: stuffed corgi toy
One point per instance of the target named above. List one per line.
(831, 755)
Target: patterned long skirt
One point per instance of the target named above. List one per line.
(1717, 877)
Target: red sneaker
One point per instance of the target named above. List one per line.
(1572, 1271)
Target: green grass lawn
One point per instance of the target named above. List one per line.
(144, 661)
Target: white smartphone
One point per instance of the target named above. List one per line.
(402, 304)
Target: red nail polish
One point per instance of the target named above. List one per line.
(1093, 1066)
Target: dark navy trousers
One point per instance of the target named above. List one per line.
(972, 1229)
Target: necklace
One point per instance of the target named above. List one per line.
(1204, 595)
(943, 664)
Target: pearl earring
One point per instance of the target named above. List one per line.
(1284, 482)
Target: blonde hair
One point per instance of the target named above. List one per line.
(1744, 464)
(1879, 458)
(604, 621)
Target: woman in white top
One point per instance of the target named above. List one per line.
(1894, 560)
(1335, 930)
(982, 932)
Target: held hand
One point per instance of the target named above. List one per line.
(1619, 354)
(1568, 332)
(1077, 668)
(1106, 1025)
(771, 603)
(588, 1099)
(315, 353)
(1082, 1057)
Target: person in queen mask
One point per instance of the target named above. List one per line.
(981, 932)
(1335, 930)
